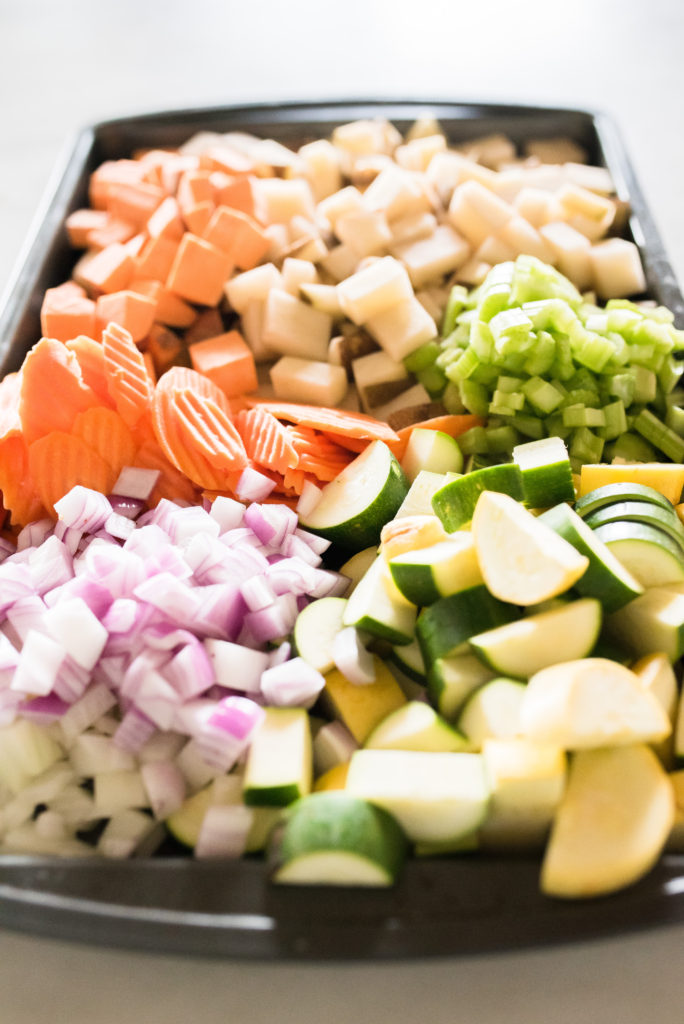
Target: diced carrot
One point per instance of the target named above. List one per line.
(135, 244)
(171, 171)
(156, 257)
(109, 270)
(224, 158)
(453, 424)
(207, 324)
(90, 356)
(19, 495)
(171, 310)
(329, 421)
(81, 222)
(199, 271)
(127, 377)
(165, 348)
(63, 315)
(236, 193)
(110, 174)
(196, 218)
(59, 461)
(171, 483)
(166, 221)
(134, 202)
(266, 440)
(53, 391)
(130, 310)
(227, 360)
(114, 230)
(105, 432)
(194, 187)
(238, 235)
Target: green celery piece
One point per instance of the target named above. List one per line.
(508, 385)
(583, 416)
(533, 279)
(674, 419)
(433, 380)
(510, 327)
(582, 396)
(482, 341)
(456, 303)
(486, 373)
(563, 367)
(541, 357)
(585, 445)
(622, 386)
(621, 320)
(669, 374)
(451, 399)
(474, 398)
(422, 357)
(645, 382)
(502, 439)
(494, 300)
(542, 395)
(582, 380)
(463, 367)
(588, 348)
(616, 421)
(631, 448)
(473, 441)
(555, 426)
(553, 314)
(650, 332)
(660, 435)
(528, 426)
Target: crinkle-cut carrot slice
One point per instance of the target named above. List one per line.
(90, 357)
(330, 421)
(453, 424)
(107, 434)
(127, 377)
(59, 461)
(206, 425)
(318, 454)
(53, 391)
(183, 378)
(266, 440)
(10, 393)
(181, 450)
(19, 495)
(171, 483)
(353, 444)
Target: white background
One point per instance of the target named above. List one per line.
(63, 65)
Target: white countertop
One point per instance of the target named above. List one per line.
(67, 65)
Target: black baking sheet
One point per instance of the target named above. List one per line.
(468, 905)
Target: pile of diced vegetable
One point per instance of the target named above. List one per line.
(343, 518)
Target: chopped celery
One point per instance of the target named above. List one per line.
(462, 368)
(616, 421)
(631, 447)
(660, 435)
(433, 380)
(529, 426)
(583, 416)
(585, 445)
(542, 395)
(674, 419)
(456, 303)
(474, 397)
(540, 359)
(473, 441)
(451, 399)
(422, 357)
(501, 439)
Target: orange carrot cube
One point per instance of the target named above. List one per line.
(135, 203)
(156, 257)
(199, 271)
(81, 222)
(109, 270)
(130, 310)
(239, 235)
(197, 217)
(194, 187)
(166, 221)
(64, 315)
(227, 360)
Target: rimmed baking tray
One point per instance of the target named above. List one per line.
(466, 905)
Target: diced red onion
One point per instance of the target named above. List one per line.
(351, 657)
(83, 509)
(165, 591)
(224, 831)
(43, 710)
(227, 512)
(134, 731)
(32, 535)
(157, 699)
(190, 671)
(228, 731)
(40, 660)
(297, 548)
(71, 537)
(6, 549)
(237, 666)
(273, 622)
(95, 702)
(50, 565)
(295, 683)
(131, 508)
(270, 523)
(191, 716)
(118, 526)
(253, 486)
(72, 680)
(185, 523)
(136, 482)
(281, 654)
(165, 787)
(81, 634)
(25, 614)
(222, 610)
(317, 544)
(257, 593)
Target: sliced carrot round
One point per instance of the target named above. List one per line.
(53, 392)
(128, 380)
(19, 494)
(59, 461)
(105, 432)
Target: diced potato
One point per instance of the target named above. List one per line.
(253, 330)
(252, 285)
(376, 288)
(280, 199)
(366, 136)
(571, 251)
(413, 227)
(292, 327)
(491, 150)
(473, 272)
(340, 262)
(429, 259)
(379, 378)
(364, 231)
(416, 154)
(536, 206)
(523, 238)
(494, 250)
(346, 200)
(579, 202)
(402, 328)
(295, 273)
(556, 150)
(309, 381)
(322, 168)
(323, 297)
(617, 268)
(397, 192)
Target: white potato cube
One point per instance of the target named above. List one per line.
(617, 269)
(571, 252)
(308, 380)
(494, 250)
(322, 168)
(374, 289)
(364, 231)
(412, 227)
(252, 285)
(378, 378)
(402, 328)
(397, 192)
(598, 211)
(523, 238)
(323, 297)
(340, 262)
(278, 200)
(297, 272)
(345, 200)
(429, 259)
(291, 327)
(253, 330)
(416, 154)
(536, 206)
(486, 203)
(473, 272)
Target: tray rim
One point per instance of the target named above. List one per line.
(61, 914)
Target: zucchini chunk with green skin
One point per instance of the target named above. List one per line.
(353, 508)
(315, 630)
(492, 712)
(434, 797)
(650, 555)
(652, 622)
(356, 567)
(522, 559)
(591, 702)
(451, 680)
(612, 823)
(455, 502)
(609, 494)
(606, 578)
(408, 658)
(645, 512)
(418, 500)
(377, 607)
(546, 472)
(333, 838)
(416, 726)
(426, 574)
(279, 766)
(522, 648)
(444, 628)
(431, 451)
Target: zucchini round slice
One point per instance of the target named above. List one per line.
(649, 554)
(647, 512)
(354, 507)
(609, 494)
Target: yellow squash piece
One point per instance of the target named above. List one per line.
(668, 478)
(361, 708)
